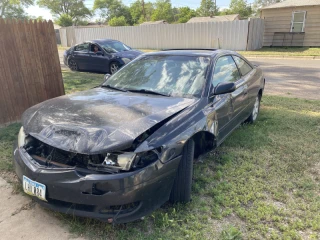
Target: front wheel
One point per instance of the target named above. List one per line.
(181, 190)
(255, 111)
(73, 65)
(114, 67)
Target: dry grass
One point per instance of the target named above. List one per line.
(283, 51)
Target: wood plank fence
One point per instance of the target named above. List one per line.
(30, 70)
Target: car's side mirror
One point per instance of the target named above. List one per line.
(224, 87)
(106, 77)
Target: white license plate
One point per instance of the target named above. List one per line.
(34, 188)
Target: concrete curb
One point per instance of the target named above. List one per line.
(283, 57)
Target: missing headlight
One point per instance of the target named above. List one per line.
(126, 161)
(146, 158)
(115, 162)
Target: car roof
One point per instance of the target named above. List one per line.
(102, 40)
(192, 52)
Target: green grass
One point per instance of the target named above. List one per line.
(262, 183)
(265, 51)
(79, 81)
(275, 51)
(283, 51)
(7, 137)
(62, 48)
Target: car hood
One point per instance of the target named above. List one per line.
(98, 120)
(129, 54)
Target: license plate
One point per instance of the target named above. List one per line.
(34, 188)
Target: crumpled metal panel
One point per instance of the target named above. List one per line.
(98, 120)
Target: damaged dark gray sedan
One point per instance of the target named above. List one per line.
(119, 151)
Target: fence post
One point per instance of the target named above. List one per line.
(30, 75)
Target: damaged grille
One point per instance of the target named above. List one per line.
(49, 156)
(52, 157)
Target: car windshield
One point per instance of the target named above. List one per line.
(181, 76)
(114, 46)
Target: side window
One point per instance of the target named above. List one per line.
(92, 48)
(82, 47)
(298, 21)
(225, 71)
(243, 66)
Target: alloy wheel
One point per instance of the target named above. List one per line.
(73, 65)
(113, 68)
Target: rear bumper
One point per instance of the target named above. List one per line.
(117, 198)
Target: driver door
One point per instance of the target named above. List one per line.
(81, 56)
(100, 60)
(223, 105)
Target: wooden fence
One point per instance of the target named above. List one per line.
(30, 70)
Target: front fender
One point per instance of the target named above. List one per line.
(172, 135)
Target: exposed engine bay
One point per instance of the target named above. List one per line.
(51, 157)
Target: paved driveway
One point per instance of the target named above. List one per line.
(291, 77)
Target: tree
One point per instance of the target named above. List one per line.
(262, 3)
(14, 8)
(162, 11)
(207, 8)
(136, 11)
(112, 8)
(240, 7)
(148, 11)
(64, 20)
(63, 10)
(117, 21)
(185, 13)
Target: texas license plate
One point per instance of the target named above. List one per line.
(34, 188)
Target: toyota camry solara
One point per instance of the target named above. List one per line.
(119, 151)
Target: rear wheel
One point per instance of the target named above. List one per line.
(181, 190)
(114, 67)
(255, 111)
(73, 65)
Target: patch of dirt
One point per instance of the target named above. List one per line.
(22, 218)
(218, 225)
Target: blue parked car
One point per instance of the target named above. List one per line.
(104, 55)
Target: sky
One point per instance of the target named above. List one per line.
(36, 11)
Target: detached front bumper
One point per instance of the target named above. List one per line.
(118, 198)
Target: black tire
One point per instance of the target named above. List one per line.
(114, 67)
(181, 190)
(255, 111)
(73, 65)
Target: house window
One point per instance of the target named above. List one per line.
(298, 21)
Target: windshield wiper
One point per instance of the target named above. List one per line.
(114, 88)
(147, 91)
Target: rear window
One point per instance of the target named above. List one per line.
(243, 66)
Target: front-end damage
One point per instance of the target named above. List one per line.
(113, 181)
(115, 162)
(122, 179)
(93, 192)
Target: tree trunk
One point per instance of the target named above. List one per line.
(3, 8)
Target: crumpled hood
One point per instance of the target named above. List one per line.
(98, 120)
(129, 54)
